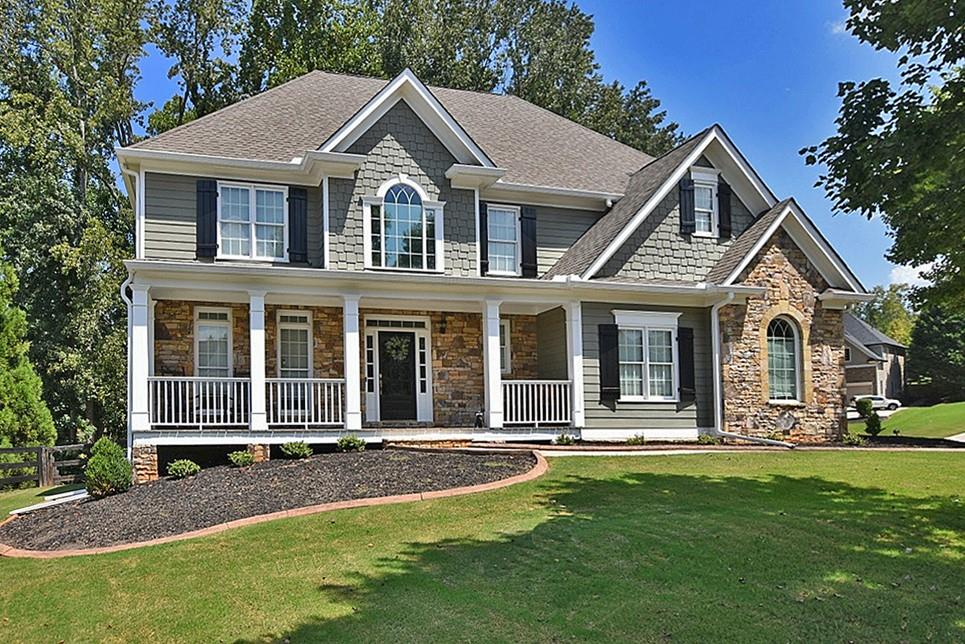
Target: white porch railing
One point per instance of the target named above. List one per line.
(305, 402)
(198, 402)
(536, 402)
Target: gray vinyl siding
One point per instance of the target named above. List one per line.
(556, 230)
(551, 344)
(647, 415)
(170, 216)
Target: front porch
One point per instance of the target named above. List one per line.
(261, 368)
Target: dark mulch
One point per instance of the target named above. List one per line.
(221, 494)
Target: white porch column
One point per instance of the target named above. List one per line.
(574, 362)
(353, 367)
(256, 325)
(491, 365)
(140, 352)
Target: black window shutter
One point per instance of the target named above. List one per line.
(685, 353)
(688, 224)
(206, 231)
(609, 361)
(723, 208)
(527, 228)
(483, 238)
(297, 225)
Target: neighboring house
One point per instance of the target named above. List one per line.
(874, 364)
(349, 255)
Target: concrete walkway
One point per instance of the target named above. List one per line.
(959, 438)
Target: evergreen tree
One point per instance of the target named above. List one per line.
(24, 417)
(936, 357)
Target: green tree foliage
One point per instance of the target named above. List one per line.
(898, 149)
(936, 357)
(889, 312)
(199, 35)
(24, 417)
(67, 75)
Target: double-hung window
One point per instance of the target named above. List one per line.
(294, 344)
(252, 222)
(403, 230)
(648, 355)
(503, 237)
(705, 201)
(212, 332)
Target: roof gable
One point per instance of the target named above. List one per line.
(866, 334)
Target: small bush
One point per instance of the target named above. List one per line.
(864, 407)
(637, 440)
(709, 439)
(564, 439)
(852, 439)
(241, 458)
(183, 468)
(108, 470)
(298, 449)
(350, 443)
(872, 424)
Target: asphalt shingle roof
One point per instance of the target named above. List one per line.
(865, 333)
(741, 246)
(642, 185)
(535, 146)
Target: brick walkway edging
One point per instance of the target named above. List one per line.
(538, 470)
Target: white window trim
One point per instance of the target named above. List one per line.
(847, 354)
(518, 262)
(506, 360)
(229, 323)
(307, 325)
(427, 204)
(707, 178)
(652, 321)
(252, 244)
(798, 366)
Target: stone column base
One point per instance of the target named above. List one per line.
(261, 453)
(144, 460)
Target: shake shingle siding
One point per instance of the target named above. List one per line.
(401, 143)
(647, 415)
(657, 250)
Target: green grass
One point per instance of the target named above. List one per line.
(28, 496)
(937, 421)
(835, 546)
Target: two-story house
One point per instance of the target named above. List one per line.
(348, 255)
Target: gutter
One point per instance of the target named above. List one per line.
(718, 377)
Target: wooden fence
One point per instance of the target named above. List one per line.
(48, 464)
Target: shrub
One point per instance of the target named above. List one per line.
(852, 439)
(709, 439)
(241, 458)
(638, 439)
(350, 443)
(872, 424)
(297, 449)
(564, 439)
(864, 407)
(108, 470)
(183, 468)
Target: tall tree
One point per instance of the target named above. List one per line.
(67, 73)
(889, 312)
(899, 149)
(200, 36)
(936, 357)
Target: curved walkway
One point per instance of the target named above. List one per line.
(538, 470)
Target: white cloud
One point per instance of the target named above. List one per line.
(910, 275)
(838, 27)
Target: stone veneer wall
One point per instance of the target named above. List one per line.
(792, 285)
(174, 337)
(328, 344)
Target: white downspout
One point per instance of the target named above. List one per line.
(718, 377)
(127, 300)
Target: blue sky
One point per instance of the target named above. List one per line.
(767, 71)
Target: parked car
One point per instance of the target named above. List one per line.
(879, 402)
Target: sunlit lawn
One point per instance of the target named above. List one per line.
(937, 421)
(843, 546)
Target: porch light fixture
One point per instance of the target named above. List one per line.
(442, 325)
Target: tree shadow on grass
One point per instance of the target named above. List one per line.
(651, 557)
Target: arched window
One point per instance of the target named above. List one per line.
(403, 229)
(783, 360)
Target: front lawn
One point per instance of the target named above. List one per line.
(836, 546)
(937, 421)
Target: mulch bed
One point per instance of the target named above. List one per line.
(221, 494)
